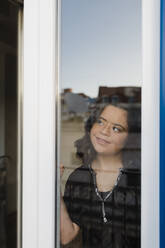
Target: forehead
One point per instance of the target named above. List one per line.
(115, 115)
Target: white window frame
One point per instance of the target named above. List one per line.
(39, 96)
(40, 93)
(150, 123)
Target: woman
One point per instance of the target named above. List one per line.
(102, 197)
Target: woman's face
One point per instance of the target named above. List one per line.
(108, 135)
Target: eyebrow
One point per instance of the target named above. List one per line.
(116, 124)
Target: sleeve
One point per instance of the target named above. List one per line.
(72, 200)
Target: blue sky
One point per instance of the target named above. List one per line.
(100, 44)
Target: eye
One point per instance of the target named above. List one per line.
(100, 122)
(116, 129)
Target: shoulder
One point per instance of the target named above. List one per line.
(78, 181)
(128, 190)
(80, 174)
(131, 177)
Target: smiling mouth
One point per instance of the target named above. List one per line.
(101, 141)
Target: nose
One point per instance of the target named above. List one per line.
(106, 130)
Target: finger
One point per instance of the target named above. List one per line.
(61, 169)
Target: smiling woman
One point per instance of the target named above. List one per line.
(108, 135)
(102, 197)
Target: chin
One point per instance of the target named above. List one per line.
(108, 152)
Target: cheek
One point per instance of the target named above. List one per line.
(121, 140)
(91, 135)
(93, 130)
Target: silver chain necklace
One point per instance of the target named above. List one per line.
(103, 200)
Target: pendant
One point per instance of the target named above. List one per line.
(105, 219)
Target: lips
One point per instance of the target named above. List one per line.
(101, 141)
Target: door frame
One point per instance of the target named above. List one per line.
(40, 124)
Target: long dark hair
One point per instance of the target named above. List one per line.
(131, 153)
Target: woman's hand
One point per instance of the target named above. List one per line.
(68, 229)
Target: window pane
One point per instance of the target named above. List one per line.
(100, 123)
(8, 124)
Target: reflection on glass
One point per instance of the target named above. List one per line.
(100, 130)
(8, 124)
(102, 196)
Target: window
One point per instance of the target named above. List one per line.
(101, 79)
(10, 168)
(40, 122)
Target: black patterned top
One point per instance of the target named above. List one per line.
(109, 219)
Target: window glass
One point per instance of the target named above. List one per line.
(8, 124)
(100, 80)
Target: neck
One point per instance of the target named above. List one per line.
(107, 163)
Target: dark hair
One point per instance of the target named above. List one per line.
(131, 153)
